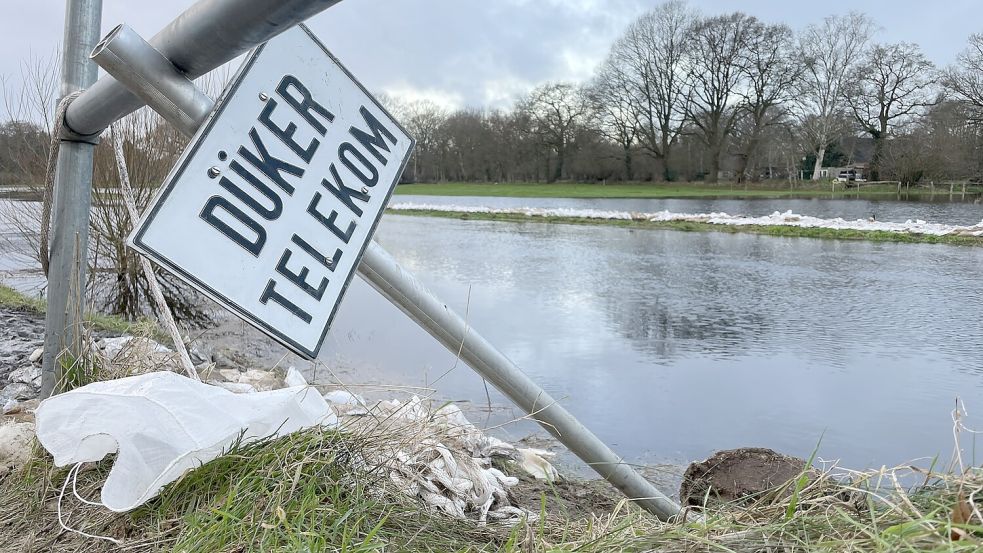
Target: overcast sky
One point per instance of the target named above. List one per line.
(481, 52)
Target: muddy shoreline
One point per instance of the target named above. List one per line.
(21, 333)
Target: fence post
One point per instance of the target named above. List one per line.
(70, 202)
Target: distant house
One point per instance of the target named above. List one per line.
(852, 172)
(856, 152)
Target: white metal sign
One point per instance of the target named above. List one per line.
(270, 207)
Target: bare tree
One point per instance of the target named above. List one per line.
(466, 138)
(954, 137)
(651, 53)
(424, 120)
(556, 109)
(151, 147)
(906, 159)
(614, 111)
(119, 286)
(771, 73)
(25, 139)
(28, 110)
(894, 82)
(513, 148)
(829, 53)
(716, 66)
(964, 80)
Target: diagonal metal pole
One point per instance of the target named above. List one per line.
(152, 78)
(380, 270)
(70, 206)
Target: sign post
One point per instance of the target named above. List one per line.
(272, 204)
(271, 198)
(70, 205)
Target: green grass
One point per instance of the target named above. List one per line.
(12, 298)
(773, 189)
(107, 323)
(313, 491)
(308, 492)
(689, 226)
(305, 492)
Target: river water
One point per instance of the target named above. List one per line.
(671, 345)
(674, 344)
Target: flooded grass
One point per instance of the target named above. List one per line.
(690, 226)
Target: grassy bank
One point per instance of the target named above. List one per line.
(13, 299)
(674, 190)
(309, 492)
(771, 230)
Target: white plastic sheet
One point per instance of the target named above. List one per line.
(164, 424)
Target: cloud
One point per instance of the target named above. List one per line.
(479, 53)
(446, 99)
(504, 91)
(485, 52)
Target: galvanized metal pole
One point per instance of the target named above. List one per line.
(141, 68)
(70, 205)
(206, 35)
(155, 78)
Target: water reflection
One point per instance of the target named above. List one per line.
(671, 344)
(675, 344)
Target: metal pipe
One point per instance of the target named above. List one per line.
(384, 274)
(206, 35)
(70, 205)
(154, 79)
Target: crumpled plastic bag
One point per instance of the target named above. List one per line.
(164, 424)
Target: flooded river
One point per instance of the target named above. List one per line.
(670, 345)
(675, 344)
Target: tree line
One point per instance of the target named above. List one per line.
(680, 96)
(686, 96)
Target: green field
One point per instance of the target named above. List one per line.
(672, 190)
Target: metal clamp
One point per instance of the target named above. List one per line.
(66, 134)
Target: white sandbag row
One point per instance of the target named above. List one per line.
(781, 219)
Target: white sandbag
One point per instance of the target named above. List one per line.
(164, 424)
(343, 397)
(294, 378)
(15, 445)
(534, 463)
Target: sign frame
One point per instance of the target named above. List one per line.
(136, 239)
